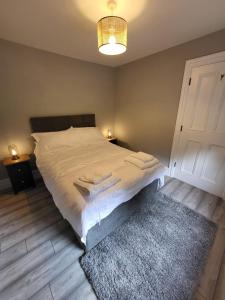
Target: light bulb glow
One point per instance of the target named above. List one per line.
(14, 152)
(112, 39)
(109, 134)
(112, 49)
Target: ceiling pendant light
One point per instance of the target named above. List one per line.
(112, 34)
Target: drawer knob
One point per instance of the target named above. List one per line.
(22, 181)
(19, 170)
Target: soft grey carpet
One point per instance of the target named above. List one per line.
(157, 254)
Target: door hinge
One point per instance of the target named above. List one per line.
(175, 164)
(189, 83)
(221, 76)
(181, 127)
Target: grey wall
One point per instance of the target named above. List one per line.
(38, 83)
(148, 93)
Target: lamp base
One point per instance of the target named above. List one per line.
(15, 157)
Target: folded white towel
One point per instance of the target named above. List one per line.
(140, 164)
(143, 156)
(94, 189)
(95, 176)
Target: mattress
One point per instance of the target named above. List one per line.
(59, 167)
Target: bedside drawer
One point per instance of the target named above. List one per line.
(21, 176)
(20, 170)
(21, 184)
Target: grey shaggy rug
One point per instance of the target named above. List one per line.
(157, 254)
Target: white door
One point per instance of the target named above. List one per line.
(199, 157)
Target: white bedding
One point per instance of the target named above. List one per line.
(60, 165)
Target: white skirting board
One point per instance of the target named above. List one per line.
(167, 171)
(5, 183)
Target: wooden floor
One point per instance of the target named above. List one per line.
(39, 256)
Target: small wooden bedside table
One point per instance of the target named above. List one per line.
(19, 172)
(113, 140)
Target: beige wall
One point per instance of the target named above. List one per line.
(38, 83)
(148, 93)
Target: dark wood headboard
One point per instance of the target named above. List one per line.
(57, 123)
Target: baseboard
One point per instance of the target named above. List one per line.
(167, 171)
(5, 183)
(168, 174)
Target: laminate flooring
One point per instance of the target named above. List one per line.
(39, 255)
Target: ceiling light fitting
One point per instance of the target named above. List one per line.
(112, 34)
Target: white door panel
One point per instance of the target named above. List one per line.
(191, 152)
(214, 164)
(219, 119)
(200, 151)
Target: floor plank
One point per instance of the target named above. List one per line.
(12, 254)
(22, 196)
(193, 199)
(9, 194)
(26, 202)
(82, 292)
(69, 281)
(170, 187)
(212, 267)
(208, 206)
(218, 215)
(181, 192)
(27, 231)
(25, 264)
(32, 282)
(220, 287)
(44, 294)
(46, 234)
(15, 225)
(65, 238)
(24, 211)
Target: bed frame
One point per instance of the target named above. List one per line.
(124, 210)
(57, 123)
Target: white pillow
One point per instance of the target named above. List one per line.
(86, 135)
(39, 135)
(72, 137)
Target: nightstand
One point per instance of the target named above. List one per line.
(19, 172)
(113, 140)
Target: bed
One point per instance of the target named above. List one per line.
(91, 220)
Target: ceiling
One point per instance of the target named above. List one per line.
(68, 27)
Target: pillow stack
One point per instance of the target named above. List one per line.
(70, 137)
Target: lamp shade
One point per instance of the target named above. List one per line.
(13, 151)
(112, 35)
(109, 134)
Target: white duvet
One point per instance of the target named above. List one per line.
(60, 165)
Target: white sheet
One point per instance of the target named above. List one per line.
(59, 167)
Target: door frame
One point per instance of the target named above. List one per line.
(196, 62)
